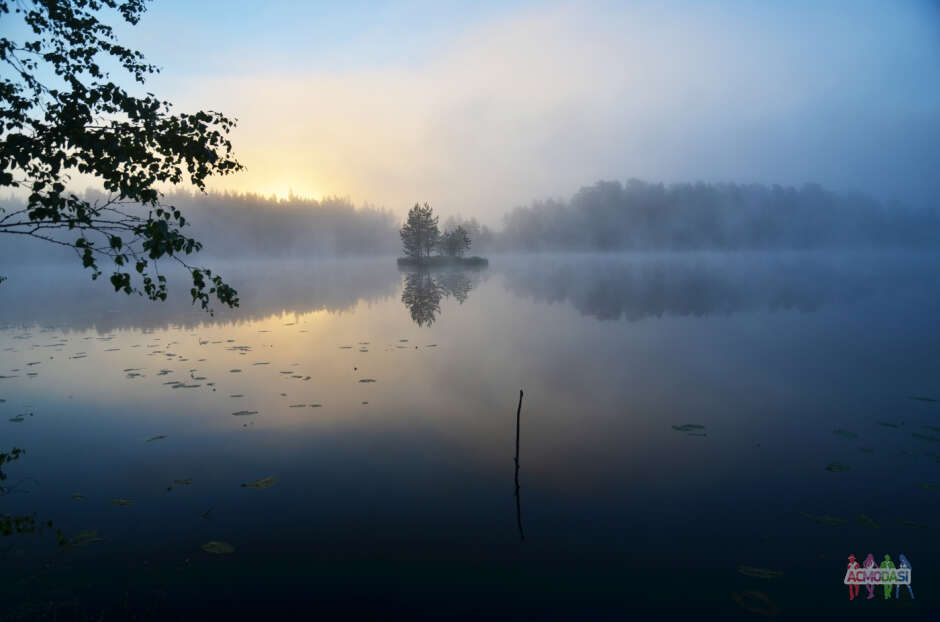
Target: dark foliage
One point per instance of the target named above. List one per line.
(61, 114)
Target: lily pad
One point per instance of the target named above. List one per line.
(759, 573)
(84, 538)
(297, 406)
(367, 380)
(756, 602)
(867, 521)
(78, 496)
(910, 523)
(158, 437)
(929, 485)
(830, 521)
(316, 405)
(921, 398)
(866, 450)
(183, 482)
(265, 482)
(926, 437)
(888, 424)
(244, 413)
(218, 548)
(845, 433)
(121, 502)
(836, 467)
(17, 419)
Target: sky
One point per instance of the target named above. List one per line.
(477, 107)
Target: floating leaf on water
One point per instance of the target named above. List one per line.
(237, 395)
(78, 496)
(234, 371)
(84, 538)
(867, 521)
(243, 413)
(403, 340)
(866, 450)
(183, 482)
(367, 380)
(345, 347)
(759, 573)
(926, 437)
(929, 486)
(910, 523)
(365, 403)
(218, 548)
(932, 427)
(688, 427)
(181, 385)
(756, 602)
(845, 433)
(265, 482)
(831, 521)
(921, 398)
(836, 467)
(17, 419)
(262, 363)
(120, 502)
(297, 406)
(433, 345)
(316, 405)
(158, 437)
(888, 424)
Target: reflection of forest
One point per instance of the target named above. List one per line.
(639, 287)
(66, 296)
(422, 292)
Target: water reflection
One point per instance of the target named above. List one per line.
(65, 296)
(642, 286)
(422, 292)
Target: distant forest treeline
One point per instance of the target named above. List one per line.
(700, 216)
(606, 216)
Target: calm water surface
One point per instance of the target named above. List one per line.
(384, 404)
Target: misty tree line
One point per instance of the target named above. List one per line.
(641, 215)
(604, 216)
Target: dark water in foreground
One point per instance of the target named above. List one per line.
(397, 496)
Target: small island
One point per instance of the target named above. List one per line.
(420, 237)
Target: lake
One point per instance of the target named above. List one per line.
(700, 434)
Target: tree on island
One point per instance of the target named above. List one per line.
(419, 234)
(61, 114)
(454, 243)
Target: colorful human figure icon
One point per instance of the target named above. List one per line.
(897, 589)
(869, 565)
(853, 587)
(887, 564)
